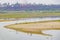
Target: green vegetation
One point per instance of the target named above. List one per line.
(27, 14)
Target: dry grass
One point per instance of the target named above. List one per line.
(28, 14)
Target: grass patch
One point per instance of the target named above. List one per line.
(28, 14)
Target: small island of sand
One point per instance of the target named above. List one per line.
(35, 27)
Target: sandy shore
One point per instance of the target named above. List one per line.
(35, 28)
(4, 20)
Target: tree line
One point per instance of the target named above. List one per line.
(27, 7)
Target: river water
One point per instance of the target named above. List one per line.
(8, 34)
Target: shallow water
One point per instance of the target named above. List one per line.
(8, 34)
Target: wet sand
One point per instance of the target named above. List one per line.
(35, 28)
(4, 20)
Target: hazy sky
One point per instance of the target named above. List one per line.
(32, 1)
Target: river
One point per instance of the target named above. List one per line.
(8, 34)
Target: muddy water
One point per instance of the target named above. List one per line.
(8, 34)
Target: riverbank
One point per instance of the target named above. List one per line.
(35, 27)
(28, 14)
(4, 20)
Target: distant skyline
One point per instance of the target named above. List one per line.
(47, 2)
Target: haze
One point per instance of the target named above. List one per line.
(31, 1)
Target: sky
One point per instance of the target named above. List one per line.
(47, 2)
